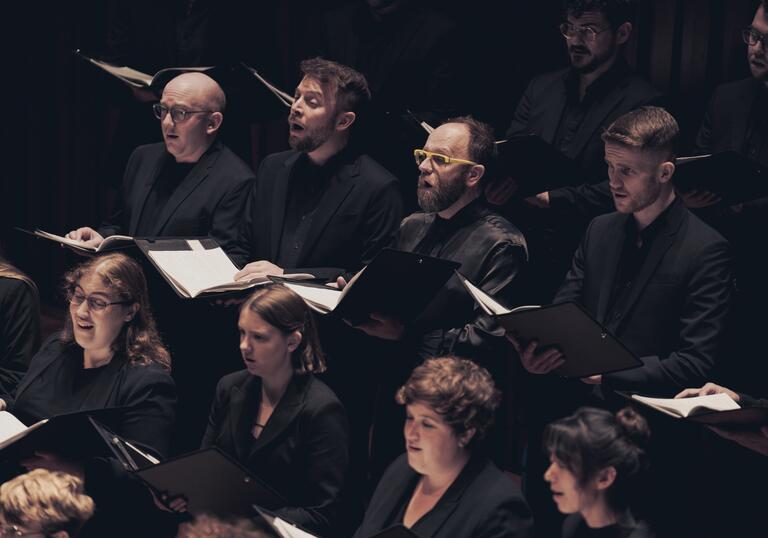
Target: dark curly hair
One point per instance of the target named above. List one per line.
(616, 11)
(594, 439)
(459, 390)
(138, 340)
(284, 309)
(350, 86)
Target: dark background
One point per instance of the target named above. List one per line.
(59, 113)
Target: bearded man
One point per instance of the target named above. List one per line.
(322, 207)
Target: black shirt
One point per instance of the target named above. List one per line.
(576, 109)
(308, 183)
(637, 245)
(168, 180)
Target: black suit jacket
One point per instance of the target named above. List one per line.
(209, 201)
(727, 119)
(541, 108)
(303, 451)
(19, 331)
(357, 216)
(481, 503)
(676, 314)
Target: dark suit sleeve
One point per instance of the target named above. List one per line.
(117, 222)
(703, 319)
(327, 445)
(503, 267)
(242, 250)
(519, 125)
(588, 199)
(704, 136)
(19, 332)
(229, 212)
(151, 399)
(572, 286)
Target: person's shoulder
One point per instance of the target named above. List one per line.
(550, 77)
(373, 173)
(735, 88)
(494, 485)
(320, 396)
(13, 290)
(699, 233)
(237, 169)
(501, 229)
(234, 379)
(148, 374)
(147, 151)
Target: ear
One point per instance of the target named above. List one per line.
(623, 32)
(344, 120)
(666, 171)
(294, 339)
(466, 437)
(476, 172)
(214, 122)
(605, 478)
(131, 312)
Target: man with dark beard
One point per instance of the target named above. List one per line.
(322, 207)
(569, 109)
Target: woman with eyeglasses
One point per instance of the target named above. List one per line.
(108, 355)
(597, 461)
(279, 420)
(443, 486)
(19, 326)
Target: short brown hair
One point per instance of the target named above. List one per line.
(53, 500)
(284, 309)
(350, 86)
(648, 128)
(482, 146)
(138, 340)
(459, 390)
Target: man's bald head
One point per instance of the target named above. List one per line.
(205, 91)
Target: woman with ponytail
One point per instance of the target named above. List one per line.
(597, 462)
(286, 426)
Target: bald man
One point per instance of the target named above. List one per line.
(190, 185)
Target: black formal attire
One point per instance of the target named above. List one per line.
(551, 108)
(207, 201)
(19, 331)
(575, 527)
(673, 305)
(491, 252)
(302, 451)
(736, 121)
(56, 383)
(339, 228)
(482, 502)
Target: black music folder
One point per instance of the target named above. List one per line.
(588, 347)
(536, 165)
(211, 482)
(70, 435)
(713, 409)
(396, 283)
(732, 176)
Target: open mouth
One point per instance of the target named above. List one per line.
(295, 127)
(84, 326)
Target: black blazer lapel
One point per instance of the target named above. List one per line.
(284, 414)
(553, 109)
(243, 403)
(143, 194)
(666, 237)
(740, 116)
(592, 122)
(279, 194)
(339, 186)
(609, 249)
(193, 179)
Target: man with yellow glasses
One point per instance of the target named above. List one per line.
(455, 224)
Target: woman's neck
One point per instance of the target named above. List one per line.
(599, 514)
(93, 358)
(274, 386)
(438, 482)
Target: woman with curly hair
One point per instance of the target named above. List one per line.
(108, 355)
(443, 486)
(597, 461)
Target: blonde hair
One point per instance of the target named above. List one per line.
(51, 499)
(9, 271)
(207, 526)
